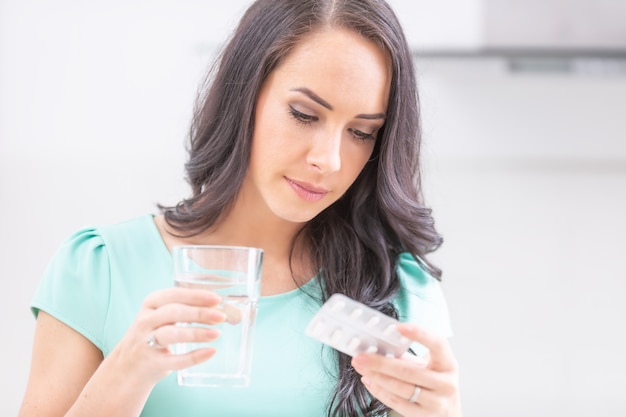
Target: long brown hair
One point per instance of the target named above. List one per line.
(355, 241)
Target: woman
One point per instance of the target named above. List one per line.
(305, 144)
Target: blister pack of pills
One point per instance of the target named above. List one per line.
(352, 328)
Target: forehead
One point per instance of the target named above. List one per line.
(339, 65)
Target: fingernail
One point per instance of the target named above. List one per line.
(216, 299)
(220, 316)
(212, 333)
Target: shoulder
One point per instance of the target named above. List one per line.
(421, 299)
(83, 249)
(75, 287)
(138, 228)
(84, 259)
(416, 280)
(85, 273)
(92, 242)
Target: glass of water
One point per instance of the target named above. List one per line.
(233, 272)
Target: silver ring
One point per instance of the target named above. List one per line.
(152, 342)
(416, 393)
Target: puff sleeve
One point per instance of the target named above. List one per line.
(75, 288)
(420, 299)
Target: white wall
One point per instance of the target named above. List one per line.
(95, 100)
(527, 177)
(526, 174)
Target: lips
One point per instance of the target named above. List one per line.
(306, 191)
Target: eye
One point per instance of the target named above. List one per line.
(300, 117)
(362, 135)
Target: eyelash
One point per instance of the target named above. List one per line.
(301, 118)
(306, 119)
(362, 135)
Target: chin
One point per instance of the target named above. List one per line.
(296, 216)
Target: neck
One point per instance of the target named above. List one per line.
(286, 264)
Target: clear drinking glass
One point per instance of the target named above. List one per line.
(234, 273)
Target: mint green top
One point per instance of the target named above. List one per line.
(98, 279)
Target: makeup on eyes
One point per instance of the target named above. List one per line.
(317, 99)
(306, 119)
(301, 117)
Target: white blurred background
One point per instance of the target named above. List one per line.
(525, 171)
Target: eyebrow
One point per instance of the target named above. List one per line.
(310, 94)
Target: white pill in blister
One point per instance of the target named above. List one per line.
(354, 343)
(373, 321)
(352, 327)
(335, 335)
(389, 329)
(356, 313)
(317, 329)
(338, 306)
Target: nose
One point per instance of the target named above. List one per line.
(325, 152)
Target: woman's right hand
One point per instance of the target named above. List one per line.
(70, 377)
(144, 349)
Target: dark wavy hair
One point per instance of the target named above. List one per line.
(357, 240)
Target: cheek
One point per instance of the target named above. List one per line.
(272, 128)
(273, 148)
(356, 156)
(264, 134)
(269, 143)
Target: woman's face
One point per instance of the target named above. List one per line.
(317, 117)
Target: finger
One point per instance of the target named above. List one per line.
(394, 400)
(182, 361)
(188, 296)
(401, 388)
(441, 356)
(182, 313)
(232, 312)
(169, 335)
(407, 372)
(424, 359)
(433, 393)
(427, 403)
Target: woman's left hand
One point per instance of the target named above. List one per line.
(412, 386)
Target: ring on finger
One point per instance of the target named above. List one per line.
(416, 393)
(153, 342)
